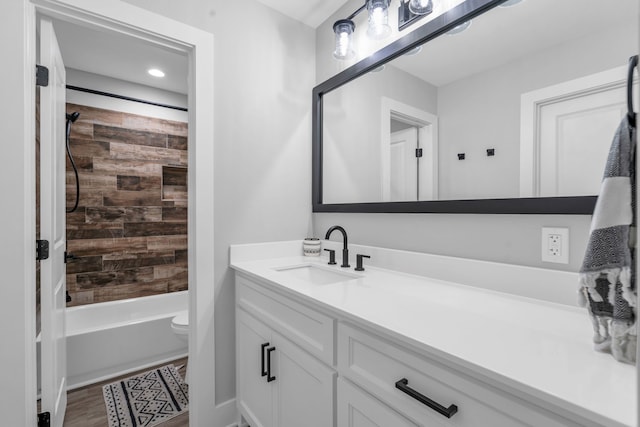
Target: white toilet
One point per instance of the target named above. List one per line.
(180, 326)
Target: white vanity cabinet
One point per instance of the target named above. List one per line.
(255, 393)
(278, 383)
(357, 408)
(302, 362)
(425, 392)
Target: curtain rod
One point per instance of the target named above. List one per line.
(126, 98)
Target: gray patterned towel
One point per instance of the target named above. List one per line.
(607, 275)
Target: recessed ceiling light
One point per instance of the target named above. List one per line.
(155, 72)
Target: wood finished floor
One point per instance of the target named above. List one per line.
(86, 408)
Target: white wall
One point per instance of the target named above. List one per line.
(469, 123)
(120, 87)
(17, 329)
(351, 132)
(514, 239)
(263, 79)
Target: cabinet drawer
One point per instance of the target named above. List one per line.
(356, 408)
(304, 326)
(377, 365)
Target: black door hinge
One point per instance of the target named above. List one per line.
(418, 152)
(44, 419)
(42, 76)
(42, 250)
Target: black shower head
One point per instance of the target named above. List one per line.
(73, 116)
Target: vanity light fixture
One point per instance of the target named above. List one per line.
(420, 7)
(378, 19)
(156, 72)
(378, 22)
(410, 11)
(343, 30)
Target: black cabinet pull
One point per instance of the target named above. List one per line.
(269, 377)
(263, 369)
(403, 386)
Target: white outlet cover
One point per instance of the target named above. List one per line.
(563, 256)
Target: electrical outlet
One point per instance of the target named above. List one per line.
(555, 245)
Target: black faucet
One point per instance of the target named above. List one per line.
(345, 251)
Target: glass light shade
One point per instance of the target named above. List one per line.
(420, 7)
(378, 19)
(459, 28)
(343, 30)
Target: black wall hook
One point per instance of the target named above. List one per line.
(633, 63)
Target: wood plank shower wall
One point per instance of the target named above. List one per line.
(130, 230)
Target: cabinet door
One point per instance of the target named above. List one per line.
(358, 409)
(304, 387)
(254, 393)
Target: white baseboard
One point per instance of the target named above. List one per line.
(227, 414)
(75, 383)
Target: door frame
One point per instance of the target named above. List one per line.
(531, 104)
(390, 108)
(126, 19)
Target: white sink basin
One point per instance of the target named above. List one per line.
(316, 274)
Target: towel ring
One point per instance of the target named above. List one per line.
(633, 63)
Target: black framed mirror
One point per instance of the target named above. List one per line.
(329, 100)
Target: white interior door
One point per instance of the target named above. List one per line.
(52, 226)
(428, 164)
(403, 165)
(575, 136)
(399, 127)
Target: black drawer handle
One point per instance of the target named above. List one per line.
(403, 386)
(263, 369)
(269, 377)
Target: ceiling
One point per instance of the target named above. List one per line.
(114, 55)
(310, 12)
(497, 37)
(126, 58)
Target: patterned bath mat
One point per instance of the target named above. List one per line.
(146, 399)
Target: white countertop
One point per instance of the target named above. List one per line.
(540, 348)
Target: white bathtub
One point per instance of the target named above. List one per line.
(108, 339)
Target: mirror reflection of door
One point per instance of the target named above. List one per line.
(403, 162)
(567, 129)
(576, 134)
(411, 163)
(409, 169)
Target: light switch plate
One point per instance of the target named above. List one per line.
(555, 245)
